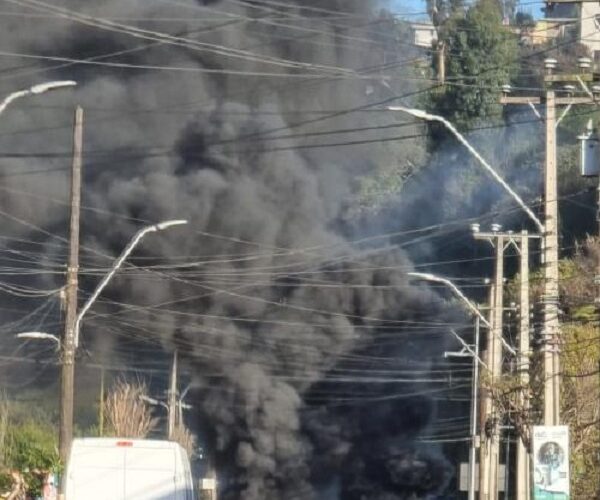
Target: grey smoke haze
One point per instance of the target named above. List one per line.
(279, 312)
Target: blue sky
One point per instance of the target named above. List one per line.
(404, 6)
(410, 6)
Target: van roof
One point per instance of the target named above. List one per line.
(123, 442)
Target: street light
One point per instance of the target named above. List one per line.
(71, 340)
(418, 113)
(153, 402)
(117, 264)
(470, 305)
(40, 88)
(467, 349)
(39, 336)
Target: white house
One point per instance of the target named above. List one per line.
(589, 26)
(424, 34)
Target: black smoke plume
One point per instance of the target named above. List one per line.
(297, 337)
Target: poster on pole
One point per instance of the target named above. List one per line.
(550, 450)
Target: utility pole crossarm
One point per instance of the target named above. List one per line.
(505, 99)
(510, 99)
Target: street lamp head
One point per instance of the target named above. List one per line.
(47, 86)
(424, 276)
(417, 113)
(38, 336)
(168, 223)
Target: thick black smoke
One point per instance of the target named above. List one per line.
(297, 337)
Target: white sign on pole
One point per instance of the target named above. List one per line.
(550, 462)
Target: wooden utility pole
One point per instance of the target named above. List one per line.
(67, 385)
(172, 404)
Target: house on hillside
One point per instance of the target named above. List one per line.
(543, 31)
(581, 21)
(589, 26)
(424, 34)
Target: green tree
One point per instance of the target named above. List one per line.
(31, 449)
(579, 360)
(481, 56)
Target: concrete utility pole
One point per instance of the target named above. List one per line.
(441, 62)
(486, 409)
(474, 436)
(172, 401)
(67, 382)
(523, 488)
(491, 444)
(550, 299)
(551, 331)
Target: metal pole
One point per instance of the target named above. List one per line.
(101, 409)
(474, 402)
(68, 342)
(551, 332)
(506, 467)
(172, 397)
(523, 468)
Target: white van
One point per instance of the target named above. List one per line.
(128, 469)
